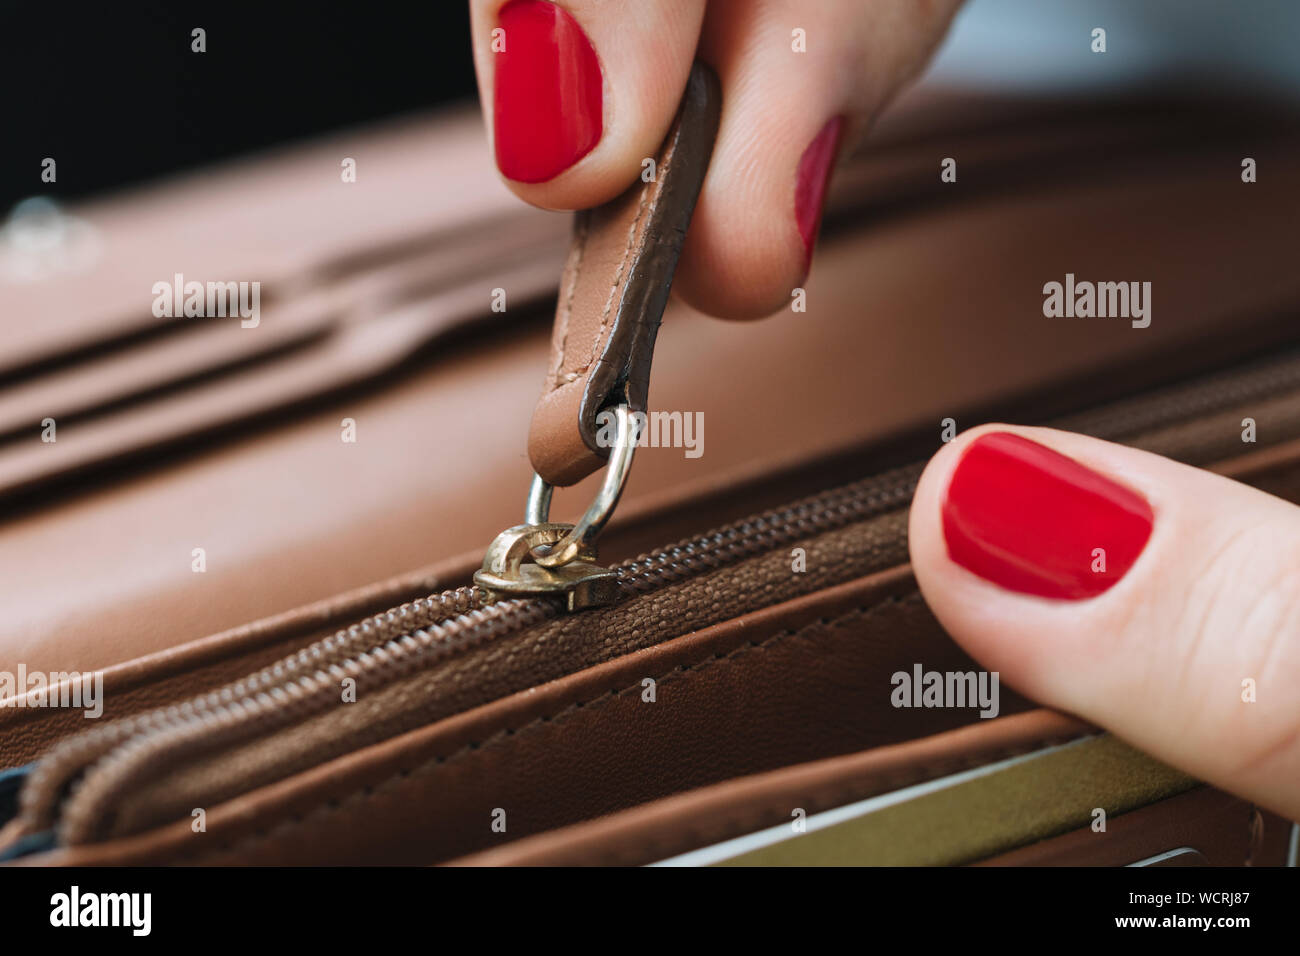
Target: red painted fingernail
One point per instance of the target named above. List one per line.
(1031, 520)
(548, 92)
(810, 184)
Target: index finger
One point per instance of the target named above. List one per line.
(580, 92)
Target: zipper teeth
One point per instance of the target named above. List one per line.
(289, 702)
(1187, 400)
(56, 767)
(414, 635)
(820, 513)
(299, 686)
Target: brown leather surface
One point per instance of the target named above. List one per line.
(176, 674)
(689, 821)
(1225, 830)
(1191, 441)
(613, 292)
(271, 218)
(533, 764)
(99, 572)
(791, 683)
(569, 644)
(172, 675)
(84, 593)
(587, 723)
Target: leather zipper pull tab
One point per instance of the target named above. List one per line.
(612, 299)
(613, 292)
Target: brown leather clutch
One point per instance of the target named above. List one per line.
(726, 697)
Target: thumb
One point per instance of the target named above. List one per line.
(1154, 599)
(580, 92)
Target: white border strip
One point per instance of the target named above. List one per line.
(829, 818)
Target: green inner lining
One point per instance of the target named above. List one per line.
(1020, 804)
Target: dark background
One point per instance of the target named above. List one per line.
(113, 93)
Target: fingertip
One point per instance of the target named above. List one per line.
(583, 186)
(956, 596)
(811, 181)
(1032, 512)
(548, 91)
(737, 272)
(579, 93)
(749, 250)
(800, 82)
(784, 121)
(1023, 543)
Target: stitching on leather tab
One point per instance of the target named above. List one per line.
(566, 300)
(649, 201)
(642, 206)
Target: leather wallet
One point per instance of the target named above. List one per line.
(719, 693)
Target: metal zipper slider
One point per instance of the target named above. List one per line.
(541, 557)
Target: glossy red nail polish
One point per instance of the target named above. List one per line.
(810, 183)
(1032, 520)
(548, 92)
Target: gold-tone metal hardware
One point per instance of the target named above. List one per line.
(510, 571)
(599, 511)
(542, 557)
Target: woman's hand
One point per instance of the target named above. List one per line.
(1154, 599)
(581, 92)
(1157, 600)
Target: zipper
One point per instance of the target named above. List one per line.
(69, 789)
(389, 645)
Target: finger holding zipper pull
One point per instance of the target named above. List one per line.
(580, 93)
